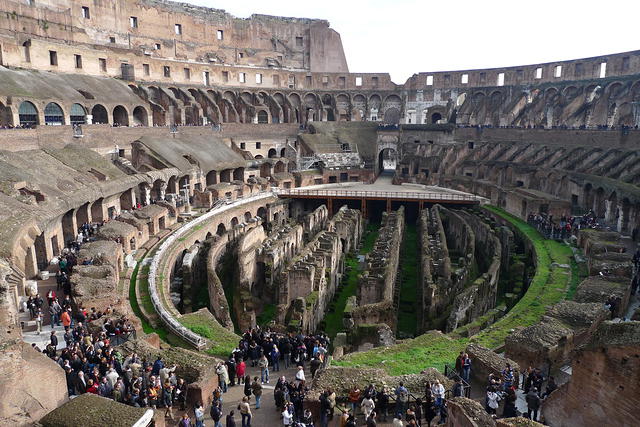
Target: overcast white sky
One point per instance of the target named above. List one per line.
(403, 37)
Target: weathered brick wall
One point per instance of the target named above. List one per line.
(604, 384)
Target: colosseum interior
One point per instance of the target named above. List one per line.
(202, 175)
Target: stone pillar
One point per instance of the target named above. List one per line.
(610, 212)
(163, 190)
(145, 194)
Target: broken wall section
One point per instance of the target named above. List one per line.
(480, 295)
(307, 285)
(437, 284)
(377, 286)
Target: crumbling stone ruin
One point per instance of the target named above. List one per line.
(309, 282)
(377, 286)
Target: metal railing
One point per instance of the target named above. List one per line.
(451, 373)
(158, 302)
(378, 194)
(117, 340)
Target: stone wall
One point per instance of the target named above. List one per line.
(308, 284)
(377, 282)
(31, 384)
(436, 288)
(486, 362)
(480, 296)
(549, 343)
(374, 302)
(604, 383)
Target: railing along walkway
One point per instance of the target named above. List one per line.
(356, 194)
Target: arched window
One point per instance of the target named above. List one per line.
(78, 115)
(99, 115)
(28, 114)
(26, 50)
(120, 116)
(53, 115)
(263, 117)
(140, 117)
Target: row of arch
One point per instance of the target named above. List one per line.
(617, 210)
(591, 105)
(191, 106)
(54, 115)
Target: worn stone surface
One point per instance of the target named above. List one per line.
(465, 412)
(486, 362)
(605, 382)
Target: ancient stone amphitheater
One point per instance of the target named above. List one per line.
(212, 174)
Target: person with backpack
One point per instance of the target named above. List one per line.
(256, 389)
(216, 413)
(231, 421)
(402, 400)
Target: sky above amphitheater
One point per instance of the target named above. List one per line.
(403, 37)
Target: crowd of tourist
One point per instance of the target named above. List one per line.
(562, 228)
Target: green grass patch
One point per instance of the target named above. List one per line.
(333, 319)
(135, 305)
(430, 350)
(407, 313)
(222, 340)
(267, 315)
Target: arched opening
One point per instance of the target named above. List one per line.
(120, 116)
(6, 116)
(625, 215)
(183, 182)
(234, 222)
(262, 213)
(265, 170)
(392, 116)
(258, 157)
(279, 167)
(272, 153)
(126, 200)
(68, 229)
(221, 229)
(247, 216)
(140, 116)
(26, 51)
(212, 177)
(28, 114)
(387, 160)
(225, 175)
(283, 152)
(97, 211)
(78, 115)
(238, 174)
(599, 205)
(53, 115)
(158, 189)
(99, 115)
(612, 213)
(436, 117)
(263, 117)
(172, 185)
(587, 197)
